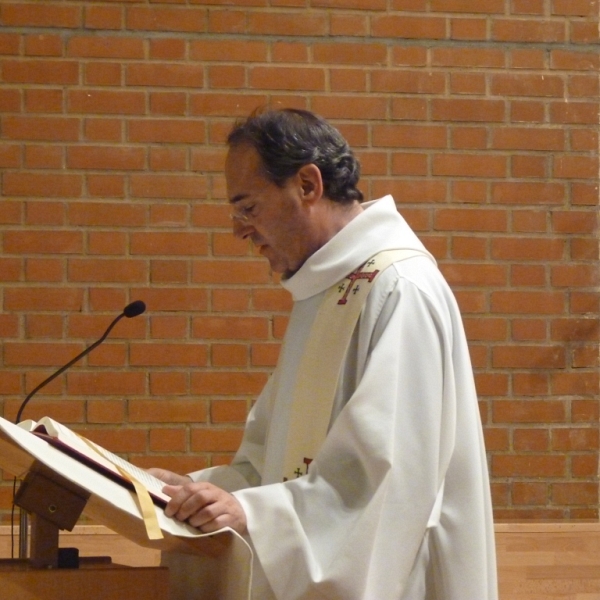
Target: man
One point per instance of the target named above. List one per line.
(392, 501)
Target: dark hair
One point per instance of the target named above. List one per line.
(287, 139)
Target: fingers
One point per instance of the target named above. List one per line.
(168, 476)
(205, 506)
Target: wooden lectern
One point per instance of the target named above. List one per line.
(57, 489)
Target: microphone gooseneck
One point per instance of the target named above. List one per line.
(131, 310)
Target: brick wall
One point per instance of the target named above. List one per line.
(480, 116)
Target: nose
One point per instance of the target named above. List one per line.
(241, 229)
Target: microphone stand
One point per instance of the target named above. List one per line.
(131, 310)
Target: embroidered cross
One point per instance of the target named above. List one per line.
(354, 277)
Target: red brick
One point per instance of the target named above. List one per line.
(578, 112)
(215, 440)
(531, 384)
(43, 45)
(527, 85)
(192, 20)
(168, 186)
(168, 354)
(528, 357)
(171, 411)
(469, 165)
(230, 300)
(43, 157)
(579, 8)
(227, 383)
(224, 271)
(106, 411)
(105, 47)
(577, 439)
(169, 271)
(226, 76)
(40, 354)
(529, 330)
(172, 298)
(41, 15)
(166, 131)
(40, 72)
(104, 383)
(574, 276)
(104, 158)
(229, 355)
(168, 49)
(43, 242)
(45, 213)
(536, 193)
(165, 327)
(168, 384)
(574, 493)
(106, 102)
(547, 303)
(409, 136)
(106, 270)
(230, 328)
(408, 27)
(45, 270)
(41, 128)
(520, 30)
(229, 105)
(44, 326)
(168, 103)
(103, 130)
(121, 440)
(531, 440)
(235, 50)
(527, 249)
(287, 78)
(470, 220)
(105, 186)
(467, 110)
(529, 493)
(534, 465)
(529, 166)
(165, 75)
(169, 243)
(407, 81)
(10, 44)
(466, 58)
(467, 83)
(350, 24)
(168, 440)
(104, 17)
(228, 411)
(100, 214)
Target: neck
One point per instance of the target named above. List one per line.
(328, 220)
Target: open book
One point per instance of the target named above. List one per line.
(95, 457)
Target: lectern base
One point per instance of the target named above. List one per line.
(92, 581)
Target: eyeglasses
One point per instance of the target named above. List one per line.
(243, 214)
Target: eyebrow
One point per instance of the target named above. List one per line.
(238, 198)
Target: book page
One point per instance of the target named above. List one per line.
(95, 453)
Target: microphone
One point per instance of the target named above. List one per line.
(131, 310)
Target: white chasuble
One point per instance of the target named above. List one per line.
(396, 504)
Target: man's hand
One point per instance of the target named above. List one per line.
(205, 506)
(169, 477)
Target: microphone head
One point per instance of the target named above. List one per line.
(134, 309)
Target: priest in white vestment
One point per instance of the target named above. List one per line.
(395, 502)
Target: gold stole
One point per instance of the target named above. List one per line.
(321, 363)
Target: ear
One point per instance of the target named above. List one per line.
(311, 183)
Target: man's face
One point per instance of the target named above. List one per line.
(276, 219)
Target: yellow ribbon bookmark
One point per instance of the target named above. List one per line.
(146, 506)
